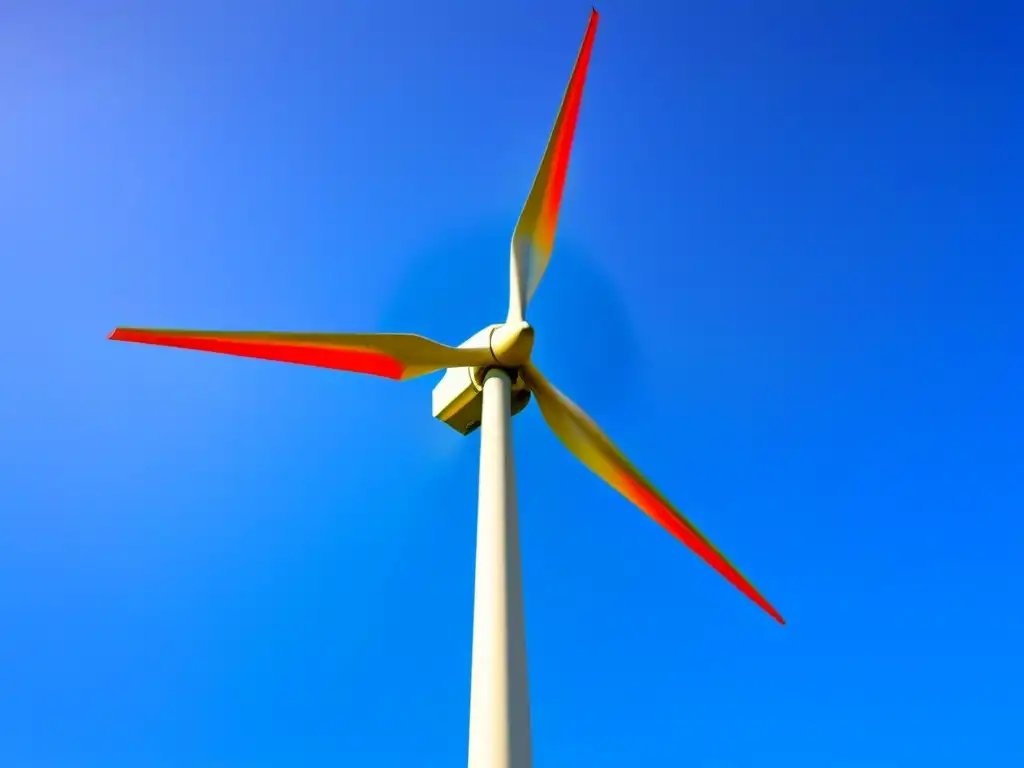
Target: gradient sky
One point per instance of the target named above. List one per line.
(803, 225)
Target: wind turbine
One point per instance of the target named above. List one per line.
(488, 379)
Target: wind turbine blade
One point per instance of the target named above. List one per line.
(591, 446)
(391, 355)
(534, 235)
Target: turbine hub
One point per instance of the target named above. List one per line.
(512, 343)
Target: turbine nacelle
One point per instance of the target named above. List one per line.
(457, 399)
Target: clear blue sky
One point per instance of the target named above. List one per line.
(813, 215)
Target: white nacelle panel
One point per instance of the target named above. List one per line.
(458, 401)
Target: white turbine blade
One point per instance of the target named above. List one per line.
(591, 446)
(534, 235)
(391, 355)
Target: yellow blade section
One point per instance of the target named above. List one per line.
(590, 445)
(391, 355)
(534, 235)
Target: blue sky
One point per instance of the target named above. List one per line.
(802, 220)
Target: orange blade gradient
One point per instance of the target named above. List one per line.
(391, 355)
(591, 446)
(534, 236)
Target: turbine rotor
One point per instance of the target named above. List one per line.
(512, 343)
(507, 346)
